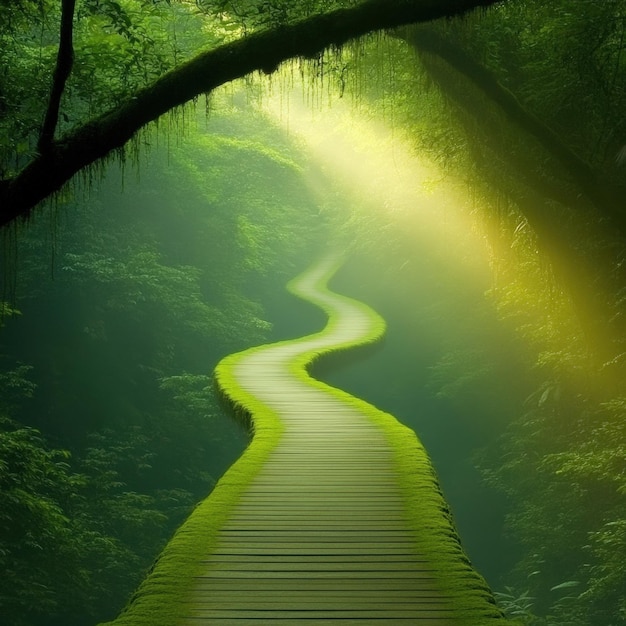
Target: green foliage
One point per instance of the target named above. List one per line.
(35, 531)
(517, 607)
(120, 46)
(564, 610)
(16, 387)
(56, 523)
(564, 60)
(125, 310)
(6, 311)
(256, 14)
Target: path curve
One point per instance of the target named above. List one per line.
(332, 515)
(324, 530)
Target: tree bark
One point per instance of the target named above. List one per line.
(62, 71)
(262, 51)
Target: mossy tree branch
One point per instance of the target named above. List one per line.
(263, 51)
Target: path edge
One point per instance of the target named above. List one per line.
(471, 596)
(163, 597)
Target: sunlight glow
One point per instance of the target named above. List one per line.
(379, 175)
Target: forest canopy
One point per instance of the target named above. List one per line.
(118, 305)
(124, 71)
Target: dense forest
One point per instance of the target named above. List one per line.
(471, 161)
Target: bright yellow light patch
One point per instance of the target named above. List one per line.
(380, 176)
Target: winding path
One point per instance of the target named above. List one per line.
(321, 533)
(332, 516)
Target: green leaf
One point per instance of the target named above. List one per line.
(566, 585)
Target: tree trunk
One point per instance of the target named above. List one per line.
(62, 71)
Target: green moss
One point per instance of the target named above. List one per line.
(428, 513)
(163, 597)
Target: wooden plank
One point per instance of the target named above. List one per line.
(330, 534)
(247, 603)
(344, 522)
(320, 585)
(385, 596)
(275, 469)
(312, 621)
(214, 572)
(265, 546)
(318, 500)
(290, 532)
(358, 545)
(357, 558)
(311, 508)
(323, 483)
(361, 483)
(327, 491)
(319, 517)
(304, 565)
(389, 614)
(360, 506)
(381, 496)
(343, 501)
(302, 601)
(314, 524)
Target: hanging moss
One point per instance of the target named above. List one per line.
(262, 51)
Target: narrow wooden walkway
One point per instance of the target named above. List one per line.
(321, 534)
(332, 516)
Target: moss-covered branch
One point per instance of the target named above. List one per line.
(263, 51)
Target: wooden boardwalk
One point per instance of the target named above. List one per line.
(333, 515)
(321, 534)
